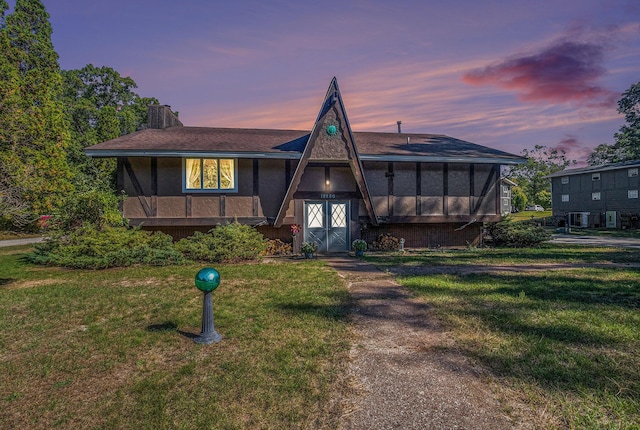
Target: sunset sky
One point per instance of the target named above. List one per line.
(507, 74)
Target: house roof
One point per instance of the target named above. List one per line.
(595, 169)
(267, 143)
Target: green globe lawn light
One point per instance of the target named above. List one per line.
(207, 280)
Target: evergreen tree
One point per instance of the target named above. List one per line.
(34, 130)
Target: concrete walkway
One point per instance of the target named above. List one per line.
(620, 242)
(19, 242)
(405, 372)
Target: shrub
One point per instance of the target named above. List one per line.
(277, 247)
(229, 243)
(93, 206)
(309, 247)
(517, 234)
(359, 245)
(89, 248)
(386, 242)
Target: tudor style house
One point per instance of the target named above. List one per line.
(338, 185)
(598, 196)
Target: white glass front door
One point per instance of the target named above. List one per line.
(327, 224)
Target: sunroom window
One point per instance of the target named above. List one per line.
(209, 174)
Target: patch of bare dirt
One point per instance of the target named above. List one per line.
(19, 285)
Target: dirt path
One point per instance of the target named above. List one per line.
(404, 372)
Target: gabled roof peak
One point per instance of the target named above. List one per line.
(331, 139)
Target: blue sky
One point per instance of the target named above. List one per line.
(508, 74)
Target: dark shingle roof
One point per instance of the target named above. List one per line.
(595, 169)
(181, 141)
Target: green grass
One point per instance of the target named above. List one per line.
(526, 215)
(114, 349)
(545, 254)
(566, 342)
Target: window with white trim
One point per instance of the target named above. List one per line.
(595, 176)
(565, 197)
(564, 180)
(210, 174)
(632, 172)
(595, 196)
(632, 194)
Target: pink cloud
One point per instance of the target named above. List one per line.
(573, 148)
(562, 72)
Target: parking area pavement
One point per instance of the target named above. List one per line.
(620, 242)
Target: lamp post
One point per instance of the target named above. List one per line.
(207, 280)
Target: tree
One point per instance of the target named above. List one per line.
(518, 198)
(34, 133)
(100, 105)
(541, 161)
(627, 145)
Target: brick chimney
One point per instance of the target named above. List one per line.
(160, 116)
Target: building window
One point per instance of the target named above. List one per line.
(564, 179)
(632, 172)
(210, 174)
(595, 176)
(565, 197)
(632, 194)
(595, 196)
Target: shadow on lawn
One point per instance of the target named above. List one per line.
(557, 330)
(162, 327)
(169, 326)
(337, 309)
(550, 287)
(535, 255)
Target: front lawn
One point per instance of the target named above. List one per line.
(565, 342)
(114, 349)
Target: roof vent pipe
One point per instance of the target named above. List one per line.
(399, 128)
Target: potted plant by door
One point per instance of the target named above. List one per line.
(359, 246)
(308, 248)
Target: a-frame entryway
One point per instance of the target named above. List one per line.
(328, 186)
